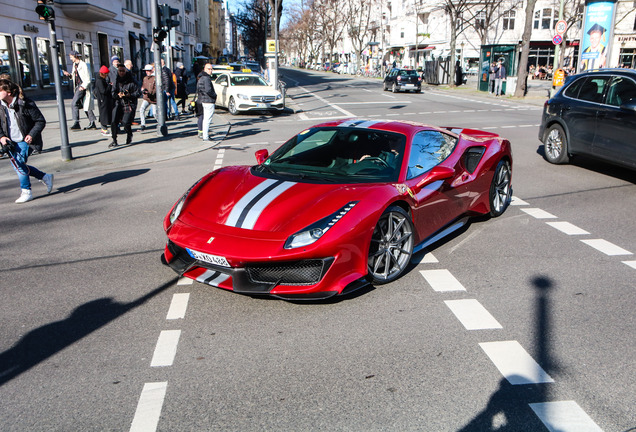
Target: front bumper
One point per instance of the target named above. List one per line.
(284, 279)
(243, 105)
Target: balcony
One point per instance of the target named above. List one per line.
(86, 10)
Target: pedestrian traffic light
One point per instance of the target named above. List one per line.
(167, 13)
(45, 11)
(158, 34)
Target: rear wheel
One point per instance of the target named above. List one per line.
(500, 189)
(555, 145)
(391, 246)
(231, 106)
(394, 89)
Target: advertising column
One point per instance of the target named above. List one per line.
(598, 31)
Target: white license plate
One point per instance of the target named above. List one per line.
(210, 259)
(262, 105)
(408, 85)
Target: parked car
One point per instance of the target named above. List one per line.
(240, 91)
(340, 205)
(402, 79)
(593, 114)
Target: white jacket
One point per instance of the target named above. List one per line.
(85, 81)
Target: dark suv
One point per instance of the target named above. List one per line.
(594, 114)
(402, 79)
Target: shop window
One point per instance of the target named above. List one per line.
(118, 51)
(44, 61)
(7, 65)
(26, 69)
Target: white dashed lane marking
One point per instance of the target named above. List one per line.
(514, 363)
(442, 280)
(606, 247)
(166, 348)
(178, 306)
(632, 264)
(517, 201)
(424, 258)
(567, 228)
(185, 281)
(564, 416)
(538, 213)
(149, 407)
(472, 314)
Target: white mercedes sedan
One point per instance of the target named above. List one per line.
(240, 91)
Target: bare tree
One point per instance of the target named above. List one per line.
(332, 21)
(359, 26)
(522, 73)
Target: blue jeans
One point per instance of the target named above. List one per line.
(19, 162)
(171, 105)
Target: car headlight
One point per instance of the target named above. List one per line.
(279, 96)
(242, 96)
(176, 210)
(316, 230)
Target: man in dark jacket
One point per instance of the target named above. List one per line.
(125, 94)
(21, 124)
(104, 98)
(207, 98)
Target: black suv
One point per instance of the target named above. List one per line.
(594, 114)
(402, 79)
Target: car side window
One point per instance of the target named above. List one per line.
(621, 90)
(592, 90)
(573, 89)
(428, 149)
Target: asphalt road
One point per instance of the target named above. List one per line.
(97, 335)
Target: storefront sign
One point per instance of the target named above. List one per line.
(31, 28)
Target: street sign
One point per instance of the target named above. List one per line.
(558, 78)
(271, 45)
(560, 27)
(557, 39)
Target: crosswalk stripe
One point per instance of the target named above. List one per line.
(442, 280)
(514, 363)
(564, 416)
(472, 314)
(606, 247)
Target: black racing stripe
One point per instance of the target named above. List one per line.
(214, 275)
(257, 198)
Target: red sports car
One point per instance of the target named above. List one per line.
(340, 205)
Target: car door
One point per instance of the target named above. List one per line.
(221, 87)
(580, 113)
(616, 126)
(437, 203)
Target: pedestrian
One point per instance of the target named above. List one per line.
(21, 124)
(149, 93)
(491, 78)
(83, 96)
(125, 93)
(182, 86)
(104, 98)
(112, 73)
(459, 74)
(207, 98)
(500, 77)
(168, 86)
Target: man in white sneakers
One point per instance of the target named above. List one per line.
(21, 125)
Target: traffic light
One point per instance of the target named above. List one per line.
(45, 11)
(167, 13)
(158, 34)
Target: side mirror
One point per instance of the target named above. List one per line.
(435, 174)
(223, 84)
(261, 156)
(630, 105)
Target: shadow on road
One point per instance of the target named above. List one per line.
(43, 342)
(507, 409)
(103, 179)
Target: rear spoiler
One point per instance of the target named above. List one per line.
(473, 133)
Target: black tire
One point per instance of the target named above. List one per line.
(500, 189)
(555, 145)
(384, 88)
(391, 246)
(231, 106)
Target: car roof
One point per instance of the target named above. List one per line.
(606, 71)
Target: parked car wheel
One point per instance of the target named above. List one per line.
(231, 106)
(391, 246)
(394, 89)
(500, 189)
(555, 145)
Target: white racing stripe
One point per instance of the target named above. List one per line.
(149, 407)
(213, 278)
(564, 416)
(247, 210)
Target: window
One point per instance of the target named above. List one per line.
(544, 18)
(44, 61)
(573, 89)
(428, 149)
(26, 69)
(509, 20)
(621, 90)
(592, 90)
(627, 58)
(480, 20)
(6, 59)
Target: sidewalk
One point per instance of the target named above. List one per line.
(90, 149)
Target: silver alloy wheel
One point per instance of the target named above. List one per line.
(500, 189)
(231, 106)
(391, 246)
(394, 89)
(554, 144)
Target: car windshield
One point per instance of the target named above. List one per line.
(339, 155)
(247, 80)
(408, 73)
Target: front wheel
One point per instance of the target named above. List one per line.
(231, 106)
(500, 189)
(391, 246)
(555, 145)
